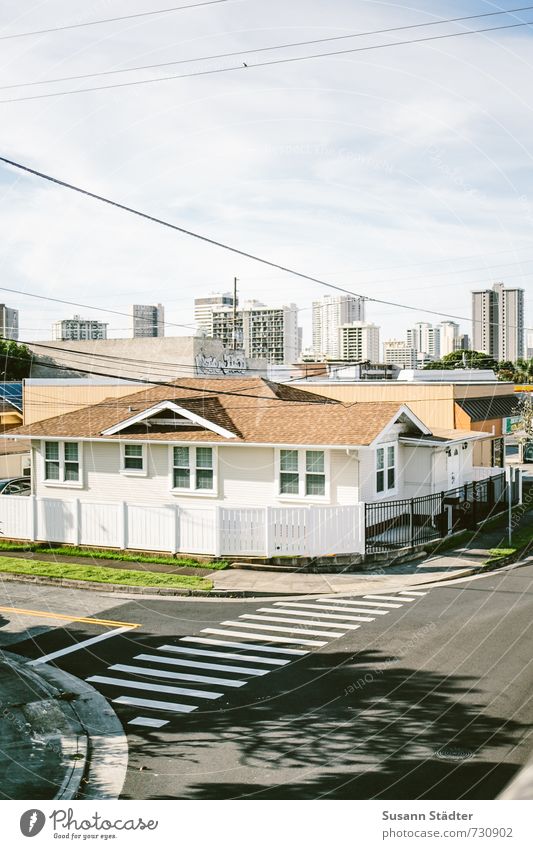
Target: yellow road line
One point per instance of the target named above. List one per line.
(47, 615)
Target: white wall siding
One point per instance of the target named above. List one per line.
(247, 475)
(344, 469)
(416, 470)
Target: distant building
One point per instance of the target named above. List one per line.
(359, 342)
(147, 320)
(498, 322)
(329, 315)
(425, 339)
(78, 329)
(449, 337)
(9, 322)
(529, 345)
(203, 310)
(398, 353)
(263, 332)
(464, 342)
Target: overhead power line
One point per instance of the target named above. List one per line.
(271, 62)
(215, 243)
(111, 20)
(255, 50)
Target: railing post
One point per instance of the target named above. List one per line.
(361, 516)
(474, 505)
(411, 521)
(490, 494)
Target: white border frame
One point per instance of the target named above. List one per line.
(61, 482)
(301, 496)
(192, 491)
(134, 473)
(387, 493)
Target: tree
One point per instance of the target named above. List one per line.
(15, 360)
(464, 359)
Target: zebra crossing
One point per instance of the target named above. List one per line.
(200, 670)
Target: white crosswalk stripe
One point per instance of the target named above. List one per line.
(293, 620)
(285, 630)
(388, 598)
(148, 722)
(171, 707)
(227, 654)
(244, 649)
(189, 676)
(319, 607)
(244, 646)
(154, 688)
(315, 613)
(273, 637)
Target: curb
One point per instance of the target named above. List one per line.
(96, 746)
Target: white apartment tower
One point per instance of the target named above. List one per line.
(203, 309)
(399, 353)
(147, 320)
(449, 337)
(265, 332)
(359, 342)
(425, 339)
(498, 322)
(77, 329)
(9, 322)
(329, 314)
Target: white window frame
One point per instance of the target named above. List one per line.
(191, 489)
(137, 473)
(301, 495)
(78, 484)
(386, 491)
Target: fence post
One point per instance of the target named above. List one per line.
(490, 494)
(77, 527)
(218, 532)
(310, 542)
(361, 517)
(177, 528)
(268, 533)
(33, 518)
(124, 525)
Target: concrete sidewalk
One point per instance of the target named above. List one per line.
(455, 563)
(59, 737)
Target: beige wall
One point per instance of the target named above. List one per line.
(43, 401)
(13, 465)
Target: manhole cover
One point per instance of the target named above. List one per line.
(453, 753)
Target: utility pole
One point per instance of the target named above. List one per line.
(234, 333)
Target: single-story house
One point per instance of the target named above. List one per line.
(230, 466)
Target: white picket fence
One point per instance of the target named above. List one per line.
(212, 529)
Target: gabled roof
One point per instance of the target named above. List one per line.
(252, 410)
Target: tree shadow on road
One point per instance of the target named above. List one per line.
(335, 725)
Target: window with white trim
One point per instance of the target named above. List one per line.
(302, 473)
(193, 468)
(133, 458)
(385, 468)
(62, 462)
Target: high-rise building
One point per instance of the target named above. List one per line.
(464, 342)
(147, 320)
(529, 345)
(9, 322)
(263, 332)
(425, 339)
(399, 353)
(359, 342)
(498, 322)
(203, 310)
(449, 337)
(329, 314)
(77, 328)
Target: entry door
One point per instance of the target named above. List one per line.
(454, 465)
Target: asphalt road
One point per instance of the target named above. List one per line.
(430, 699)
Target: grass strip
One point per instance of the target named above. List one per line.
(103, 575)
(103, 554)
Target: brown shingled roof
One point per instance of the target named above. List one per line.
(254, 409)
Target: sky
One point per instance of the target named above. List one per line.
(403, 174)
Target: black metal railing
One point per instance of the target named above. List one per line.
(407, 522)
